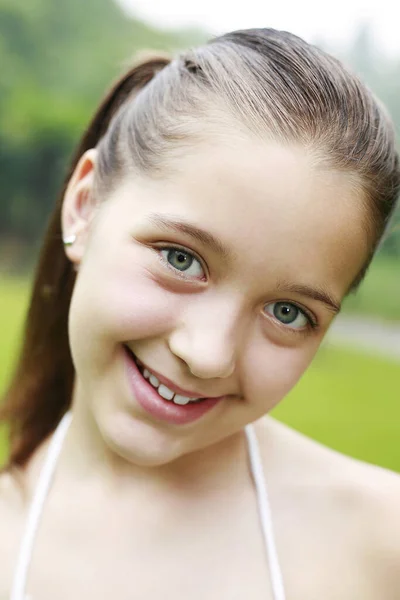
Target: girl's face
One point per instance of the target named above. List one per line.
(220, 280)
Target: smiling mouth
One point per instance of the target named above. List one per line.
(165, 392)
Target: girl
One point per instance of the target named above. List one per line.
(219, 208)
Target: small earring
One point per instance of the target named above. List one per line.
(68, 240)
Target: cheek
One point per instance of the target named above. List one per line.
(275, 371)
(119, 305)
(141, 310)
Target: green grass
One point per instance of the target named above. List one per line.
(379, 294)
(351, 402)
(13, 301)
(346, 400)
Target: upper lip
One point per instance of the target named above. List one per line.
(172, 386)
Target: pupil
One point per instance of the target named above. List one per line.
(286, 312)
(180, 260)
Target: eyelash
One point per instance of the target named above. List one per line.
(176, 272)
(312, 323)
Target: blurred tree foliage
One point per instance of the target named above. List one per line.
(56, 60)
(382, 75)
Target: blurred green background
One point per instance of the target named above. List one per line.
(57, 58)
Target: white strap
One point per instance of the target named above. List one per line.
(265, 513)
(45, 480)
(36, 508)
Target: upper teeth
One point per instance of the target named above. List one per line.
(165, 392)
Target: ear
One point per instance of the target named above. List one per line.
(79, 207)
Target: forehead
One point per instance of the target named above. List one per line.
(271, 204)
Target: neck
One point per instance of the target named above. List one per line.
(86, 456)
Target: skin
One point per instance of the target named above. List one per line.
(209, 330)
(169, 510)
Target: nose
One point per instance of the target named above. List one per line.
(207, 340)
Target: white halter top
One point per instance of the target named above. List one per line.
(18, 591)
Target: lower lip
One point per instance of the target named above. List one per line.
(164, 410)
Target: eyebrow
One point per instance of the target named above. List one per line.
(179, 225)
(170, 222)
(318, 294)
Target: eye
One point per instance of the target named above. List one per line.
(288, 314)
(183, 261)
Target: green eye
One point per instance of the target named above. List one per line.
(183, 261)
(288, 314)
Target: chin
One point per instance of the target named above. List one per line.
(141, 444)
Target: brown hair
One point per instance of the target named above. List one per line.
(270, 83)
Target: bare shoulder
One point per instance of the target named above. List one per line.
(12, 510)
(12, 499)
(362, 500)
(319, 463)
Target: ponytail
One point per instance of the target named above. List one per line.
(270, 82)
(41, 388)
